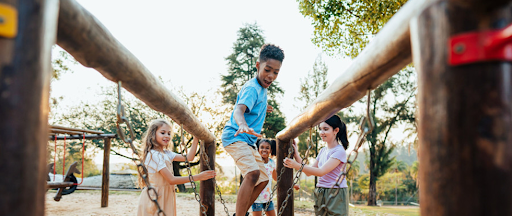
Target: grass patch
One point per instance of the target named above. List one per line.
(402, 211)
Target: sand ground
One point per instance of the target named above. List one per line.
(122, 203)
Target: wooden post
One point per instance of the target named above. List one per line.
(465, 114)
(207, 189)
(286, 179)
(25, 73)
(105, 173)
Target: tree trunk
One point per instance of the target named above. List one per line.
(372, 193)
(176, 168)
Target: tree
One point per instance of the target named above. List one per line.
(345, 27)
(102, 116)
(310, 87)
(395, 100)
(242, 68)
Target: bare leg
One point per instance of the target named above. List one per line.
(271, 212)
(256, 192)
(258, 213)
(246, 190)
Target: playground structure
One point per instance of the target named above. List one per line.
(71, 134)
(461, 50)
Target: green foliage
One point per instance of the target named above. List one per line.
(346, 26)
(394, 102)
(396, 184)
(102, 116)
(310, 87)
(61, 64)
(242, 68)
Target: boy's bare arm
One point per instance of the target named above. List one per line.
(240, 121)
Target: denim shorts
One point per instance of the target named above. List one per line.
(260, 206)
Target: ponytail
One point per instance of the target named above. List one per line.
(335, 122)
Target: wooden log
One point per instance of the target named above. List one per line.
(465, 127)
(76, 129)
(25, 73)
(91, 44)
(286, 178)
(384, 56)
(105, 173)
(71, 170)
(88, 136)
(52, 185)
(59, 131)
(207, 189)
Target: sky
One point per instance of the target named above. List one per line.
(186, 43)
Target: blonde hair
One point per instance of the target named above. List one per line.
(149, 142)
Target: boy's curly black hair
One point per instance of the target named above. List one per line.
(271, 51)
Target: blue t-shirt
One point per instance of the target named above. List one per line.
(254, 96)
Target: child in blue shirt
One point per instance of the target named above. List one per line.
(244, 127)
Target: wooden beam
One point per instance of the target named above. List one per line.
(207, 189)
(465, 127)
(59, 131)
(385, 55)
(88, 136)
(91, 44)
(52, 185)
(25, 73)
(105, 173)
(76, 129)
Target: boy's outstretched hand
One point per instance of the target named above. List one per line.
(247, 130)
(205, 175)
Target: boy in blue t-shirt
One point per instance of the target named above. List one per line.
(244, 126)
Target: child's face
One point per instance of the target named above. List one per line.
(163, 135)
(267, 71)
(327, 133)
(265, 149)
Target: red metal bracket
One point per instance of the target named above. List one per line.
(472, 47)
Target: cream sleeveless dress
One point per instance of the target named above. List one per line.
(166, 195)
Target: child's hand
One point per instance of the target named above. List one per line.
(247, 130)
(296, 187)
(205, 175)
(294, 144)
(291, 163)
(270, 108)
